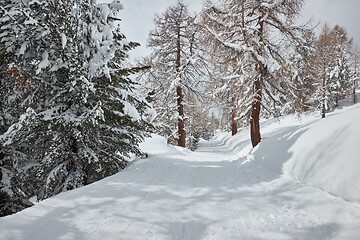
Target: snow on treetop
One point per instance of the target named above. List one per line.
(116, 4)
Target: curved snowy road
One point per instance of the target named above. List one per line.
(213, 193)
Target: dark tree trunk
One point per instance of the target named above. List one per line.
(355, 81)
(255, 115)
(256, 105)
(181, 120)
(323, 104)
(179, 93)
(233, 123)
(354, 92)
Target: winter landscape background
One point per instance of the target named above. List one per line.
(235, 119)
(302, 182)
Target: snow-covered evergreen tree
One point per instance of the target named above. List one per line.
(13, 99)
(83, 115)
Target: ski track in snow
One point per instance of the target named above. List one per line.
(217, 192)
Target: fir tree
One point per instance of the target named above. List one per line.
(84, 116)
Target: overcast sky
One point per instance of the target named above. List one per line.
(138, 15)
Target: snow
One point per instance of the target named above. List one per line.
(23, 48)
(215, 112)
(131, 111)
(31, 21)
(105, 11)
(7, 137)
(116, 4)
(331, 154)
(44, 62)
(295, 185)
(63, 40)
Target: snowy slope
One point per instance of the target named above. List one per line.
(326, 154)
(224, 190)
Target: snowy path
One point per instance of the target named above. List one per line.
(178, 194)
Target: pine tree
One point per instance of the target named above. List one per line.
(83, 115)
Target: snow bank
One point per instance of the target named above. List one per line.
(327, 155)
(322, 153)
(155, 144)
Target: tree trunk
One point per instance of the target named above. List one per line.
(179, 93)
(233, 123)
(354, 92)
(256, 105)
(181, 120)
(323, 104)
(255, 115)
(355, 81)
(323, 110)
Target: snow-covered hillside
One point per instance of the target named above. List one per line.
(295, 185)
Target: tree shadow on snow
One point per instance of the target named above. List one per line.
(167, 197)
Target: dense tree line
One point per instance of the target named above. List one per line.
(244, 60)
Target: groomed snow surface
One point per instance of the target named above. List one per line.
(302, 182)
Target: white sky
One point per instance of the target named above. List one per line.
(138, 16)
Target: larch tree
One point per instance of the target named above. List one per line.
(333, 67)
(222, 28)
(341, 72)
(81, 114)
(259, 35)
(323, 50)
(175, 65)
(305, 72)
(225, 91)
(355, 68)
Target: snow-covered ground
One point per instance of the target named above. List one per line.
(302, 183)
